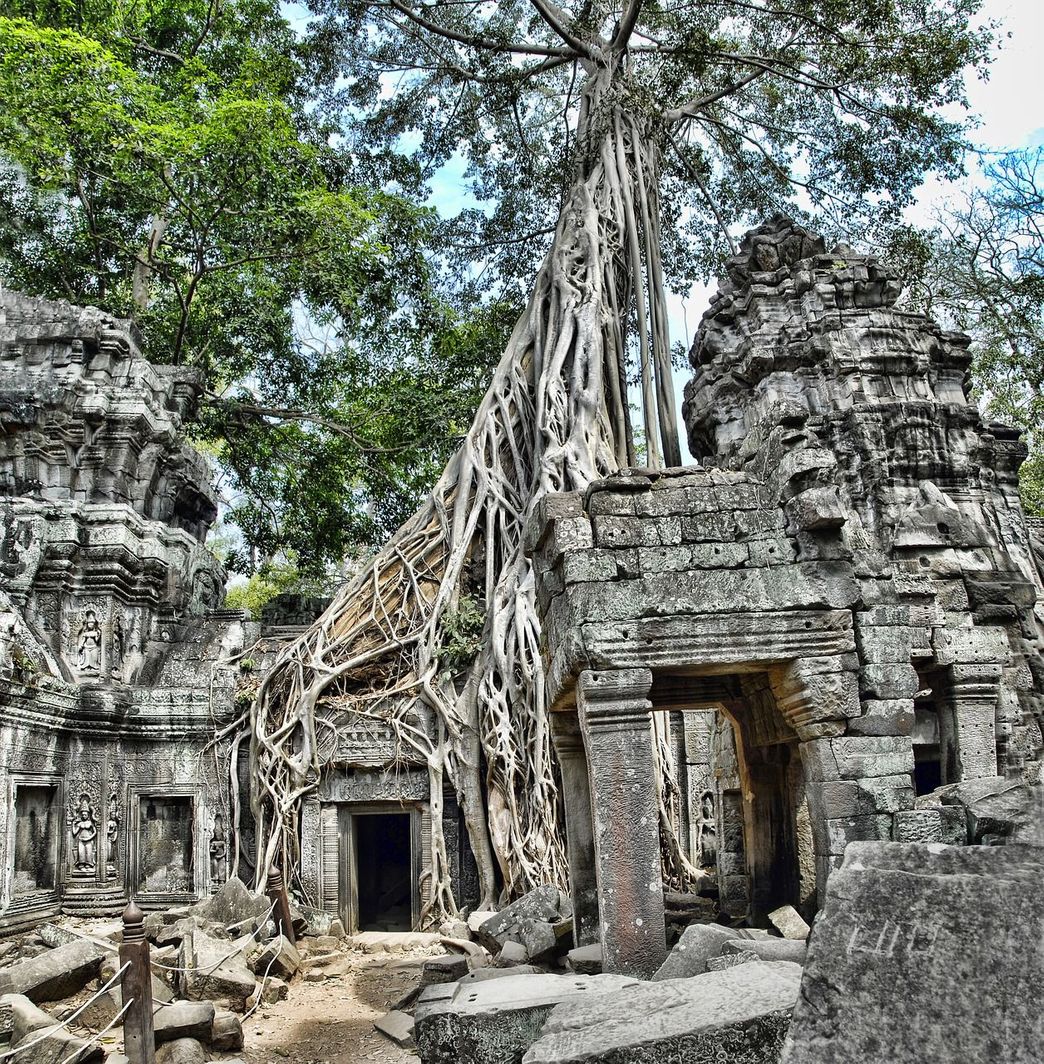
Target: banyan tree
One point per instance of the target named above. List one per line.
(619, 144)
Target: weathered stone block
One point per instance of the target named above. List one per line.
(893, 716)
(901, 920)
(856, 757)
(634, 532)
(541, 905)
(55, 974)
(896, 680)
(184, 1019)
(496, 1021)
(697, 945)
(767, 948)
(789, 922)
(739, 1015)
(214, 969)
(833, 836)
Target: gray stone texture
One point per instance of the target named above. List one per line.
(55, 973)
(697, 945)
(183, 1019)
(112, 632)
(739, 1015)
(903, 920)
(846, 574)
(495, 1022)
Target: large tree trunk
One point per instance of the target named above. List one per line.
(554, 419)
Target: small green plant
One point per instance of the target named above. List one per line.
(247, 665)
(461, 634)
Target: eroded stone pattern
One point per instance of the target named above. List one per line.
(114, 652)
(847, 576)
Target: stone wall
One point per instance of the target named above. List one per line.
(846, 575)
(116, 659)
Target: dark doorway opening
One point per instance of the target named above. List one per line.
(384, 871)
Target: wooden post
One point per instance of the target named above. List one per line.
(276, 891)
(139, 1038)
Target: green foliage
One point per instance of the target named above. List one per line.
(163, 161)
(838, 105)
(981, 270)
(267, 583)
(462, 635)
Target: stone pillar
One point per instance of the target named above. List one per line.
(971, 696)
(576, 797)
(615, 715)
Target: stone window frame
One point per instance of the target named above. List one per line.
(200, 866)
(47, 896)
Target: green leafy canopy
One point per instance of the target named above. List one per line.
(163, 161)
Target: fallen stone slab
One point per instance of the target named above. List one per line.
(278, 957)
(768, 949)
(183, 1019)
(697, 945)
(482, 975)
(181, 1051)
(56, 974)
(214, 969)
(739, 1016)
(495, 1022)
(398, 1026)
(393, 941)
(23, 1016)
(233, 905)
(445, 969)
(511, 953)
(478, 918)
(541, 905)
(789, 923)
(585, 960)
(949, 934)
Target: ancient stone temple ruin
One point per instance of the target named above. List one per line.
(838, 607)
(826, 629)
(118, 663)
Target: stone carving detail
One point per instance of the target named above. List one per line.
(89, 644)
(218, 851)
(84, 831)
(112, 836)
(112, 654)
(117, 647)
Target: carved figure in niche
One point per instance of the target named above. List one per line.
(88, 644)
(708, 831)
(116, 656)
(85, 836)
(218, 851)
(112, 832)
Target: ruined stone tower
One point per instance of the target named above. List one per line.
(117, 660)
(843, 595)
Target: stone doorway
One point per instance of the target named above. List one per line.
(383, 850)
(742, 803)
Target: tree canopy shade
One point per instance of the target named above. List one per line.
(162, 160)
(621, 142)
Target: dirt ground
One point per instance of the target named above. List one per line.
(332, 1022)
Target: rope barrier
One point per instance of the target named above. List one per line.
(52, 1031)
(96, 1038)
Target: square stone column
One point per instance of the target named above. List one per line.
(615, 717)
(576, 797)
